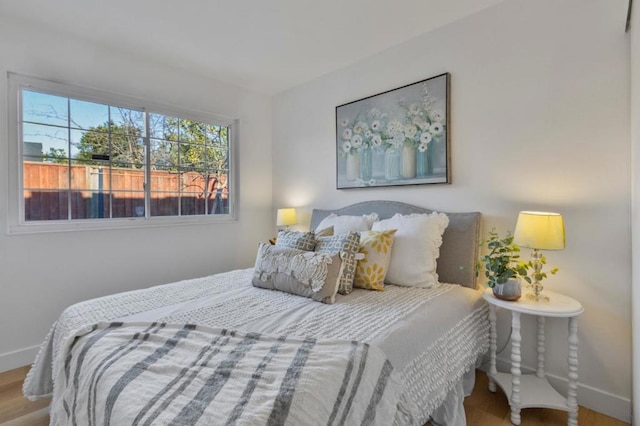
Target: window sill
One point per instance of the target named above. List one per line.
(38, 227)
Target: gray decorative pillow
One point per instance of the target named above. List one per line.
(299, 272)
(298, 240)
(348, 246)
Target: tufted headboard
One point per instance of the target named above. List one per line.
(459, 250)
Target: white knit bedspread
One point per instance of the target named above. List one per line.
(432, 336)
(163, 374)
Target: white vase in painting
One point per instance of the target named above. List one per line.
(408, 162)
(353, 166)
(392, 163)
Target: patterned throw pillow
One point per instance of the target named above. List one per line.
(298, 240)
(299, 272)
(376, 247)
(347, 245)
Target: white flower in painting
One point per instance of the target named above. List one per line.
(422, 147)
(360, 127)
(425, 89)
(345, 122)
(410, 131)
(425, 138)
(356, 141)
(437, 116)
(347, 133)
(346, 147)
(394, 126)
(374, 113)
(420, 122)
(375, 126)
(376, 140)
(436, 128)
(367, 134)
(414, 109)
(428, 104)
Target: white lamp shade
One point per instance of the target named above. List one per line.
(539, 230)
(286, 217)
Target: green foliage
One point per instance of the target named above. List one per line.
(204, 148)
(123, 145)
(178, 145)
(56, 156)
(503, 260)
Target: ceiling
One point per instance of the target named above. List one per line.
(264, 45)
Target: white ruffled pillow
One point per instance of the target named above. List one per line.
(346, 224)
(416, 246)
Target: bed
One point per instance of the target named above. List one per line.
(216, 350)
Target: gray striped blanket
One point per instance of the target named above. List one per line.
(162, 374)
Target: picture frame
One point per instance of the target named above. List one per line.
(398, 137)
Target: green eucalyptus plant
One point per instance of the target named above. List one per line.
(502, 262)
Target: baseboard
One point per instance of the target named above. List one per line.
(19, 358)
(595, 399)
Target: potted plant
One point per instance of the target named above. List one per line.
(503, 267)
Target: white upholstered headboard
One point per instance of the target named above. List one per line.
(459, 250)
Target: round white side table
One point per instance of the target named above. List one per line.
(533, 390)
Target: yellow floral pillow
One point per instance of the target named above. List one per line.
(376, 248)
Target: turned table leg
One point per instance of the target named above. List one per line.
(572, 394)
(516, 338)
(492, 349)
(540, 371)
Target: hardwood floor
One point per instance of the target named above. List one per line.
(483, 408)
(15, 409)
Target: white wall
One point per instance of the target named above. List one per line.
(635, 213)
(40, 274)
(540, 121)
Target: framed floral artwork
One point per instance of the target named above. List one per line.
(398, 137)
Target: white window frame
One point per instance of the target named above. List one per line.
(16, 223)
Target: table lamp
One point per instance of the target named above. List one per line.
(539, 231)
(286, 218)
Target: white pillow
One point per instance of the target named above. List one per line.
(416, 246)
(346, 224)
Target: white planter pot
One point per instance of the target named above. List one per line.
(511, 290)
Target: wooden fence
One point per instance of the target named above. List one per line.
(100, 192)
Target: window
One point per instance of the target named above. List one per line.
(85, 156)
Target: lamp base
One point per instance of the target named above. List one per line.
(537, 288)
